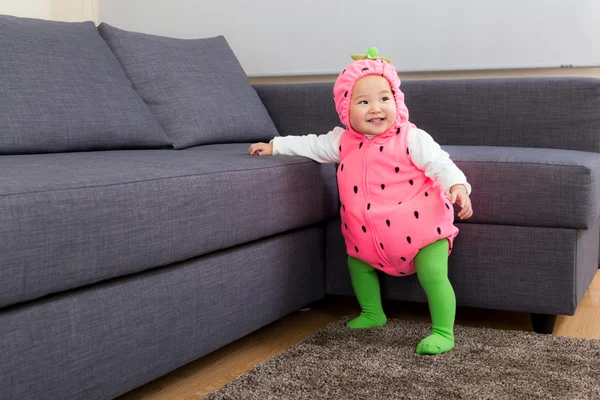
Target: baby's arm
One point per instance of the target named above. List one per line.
(321, 148)
(427, 155)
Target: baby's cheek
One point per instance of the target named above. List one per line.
(354, 122)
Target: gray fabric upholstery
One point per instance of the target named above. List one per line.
(544, 270)
(300, 109)
(62, 89)
(197, 89)
(560, 113)
(103, 340)
(77, 218)
(531, 187)
(586, 263)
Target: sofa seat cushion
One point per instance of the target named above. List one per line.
(531, 186)
(62, 89)
(72, 219)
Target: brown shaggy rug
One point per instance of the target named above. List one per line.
(380, 363)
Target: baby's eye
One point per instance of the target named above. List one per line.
(363, 102)
(385, 98)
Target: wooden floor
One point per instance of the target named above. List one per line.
(195, 380)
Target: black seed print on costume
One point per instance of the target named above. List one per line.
(381, 244)
(382, 186)
(397, 170)
(407, 151)
(411, 182)
(346, 225)
(356, 248)
(355, 189)
(342, 167)
(408, 239)
(365, 69)
(397, 131)
(346, 94)
(381, 265)
(439, 231)
(416, 214)
(340, 148)
(380, 148)
(364, 229)
(447, 206)
(402, 273)
(343, 71)
(344, 207)
(360, 145)
(369, 206)
(426, 194)
(403, 259)
(387, 222)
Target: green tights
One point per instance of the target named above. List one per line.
(431, 264)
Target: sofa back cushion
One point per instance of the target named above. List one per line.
(62, 89)
(540, 112)
(196, 88)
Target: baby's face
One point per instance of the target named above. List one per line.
(372, 106)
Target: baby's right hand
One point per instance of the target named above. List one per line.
(261, 149)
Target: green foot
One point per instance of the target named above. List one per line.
(367, 321)
(435, 344)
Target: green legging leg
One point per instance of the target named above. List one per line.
(366, 288)
(431, 264)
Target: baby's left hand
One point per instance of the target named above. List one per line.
(458, 194)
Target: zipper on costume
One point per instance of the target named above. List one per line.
(367, 214)
(374, 235)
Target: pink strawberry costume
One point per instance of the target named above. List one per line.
(393, 185)
(390, 209)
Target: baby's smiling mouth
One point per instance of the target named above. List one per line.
(376, 120)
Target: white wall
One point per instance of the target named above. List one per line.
(76, 10)
(57, 10)
(306, 37)
(27, 8)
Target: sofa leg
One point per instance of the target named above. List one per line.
(314, 304)
(543, 323)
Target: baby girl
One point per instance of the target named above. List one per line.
(396, 187)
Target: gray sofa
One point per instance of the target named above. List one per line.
(137, 235)
(529, 147)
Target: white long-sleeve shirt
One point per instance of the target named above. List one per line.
(425, 153)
